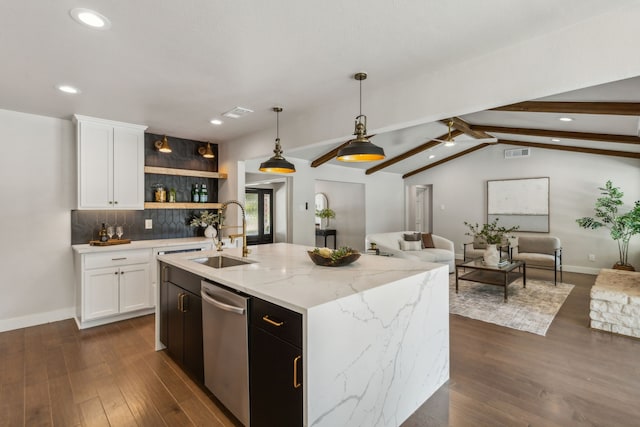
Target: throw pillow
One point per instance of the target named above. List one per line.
(427, 241)
(413, 237)
(410, 246)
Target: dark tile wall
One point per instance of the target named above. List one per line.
(167, 223)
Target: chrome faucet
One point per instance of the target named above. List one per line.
(245, 250)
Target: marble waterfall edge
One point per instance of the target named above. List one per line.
(374, 357)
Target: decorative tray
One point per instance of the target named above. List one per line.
(329, 261)
(109, 242)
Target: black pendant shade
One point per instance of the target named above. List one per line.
(360, 149)
(277, 163)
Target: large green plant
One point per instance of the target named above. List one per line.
(621, 225)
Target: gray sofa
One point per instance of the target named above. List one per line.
(442, 253)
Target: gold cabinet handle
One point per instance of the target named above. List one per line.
(296, 384)
(185, 298)
(180, 302)
(271, 322)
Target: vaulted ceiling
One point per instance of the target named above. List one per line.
(605, 120)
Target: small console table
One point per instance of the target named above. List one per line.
(327, 232)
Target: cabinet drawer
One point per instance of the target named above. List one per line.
(115, 259)
(279, 321)
(186, 280)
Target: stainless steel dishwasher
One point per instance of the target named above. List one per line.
(226, 347)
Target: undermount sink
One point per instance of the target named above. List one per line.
(220, 261)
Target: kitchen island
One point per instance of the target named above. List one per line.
(375, 333)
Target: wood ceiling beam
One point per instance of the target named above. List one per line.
(628, 154)
(439, 162)
(331, 154)
(612, 108)
(410, 153)
(603, 137)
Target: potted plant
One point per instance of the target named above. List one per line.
(324, 215)
(622, 226)
(493, 234)
(209, 220)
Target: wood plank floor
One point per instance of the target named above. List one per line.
(55, 374)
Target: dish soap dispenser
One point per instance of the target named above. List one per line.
(102, 234)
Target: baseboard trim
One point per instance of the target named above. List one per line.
(36, 319)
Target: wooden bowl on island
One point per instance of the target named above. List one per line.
(329, 261)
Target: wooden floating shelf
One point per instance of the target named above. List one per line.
(181, 205)
(184, 172)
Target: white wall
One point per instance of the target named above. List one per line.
(348, 202)
(38, 191)
(459, 194)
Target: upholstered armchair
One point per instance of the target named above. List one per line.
(543, 252)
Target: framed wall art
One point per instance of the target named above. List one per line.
(523, 202)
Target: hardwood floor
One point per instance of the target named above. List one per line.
(54, 374)
(574, 376)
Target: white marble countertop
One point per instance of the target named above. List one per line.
(285, 275)
(140, 244)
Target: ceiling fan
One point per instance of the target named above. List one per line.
(450, 142)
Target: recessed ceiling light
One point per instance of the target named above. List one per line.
(565, 119)
(90, 18)
(555, 140)
(68, 89)
(432, 156)
(216, 122)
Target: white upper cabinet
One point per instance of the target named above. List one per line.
(110, 164)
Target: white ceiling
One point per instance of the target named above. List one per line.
(175, 65)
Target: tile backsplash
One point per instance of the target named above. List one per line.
(167, 224)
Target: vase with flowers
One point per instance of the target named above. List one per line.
(325, 215)
(208, 220)
(492, 234)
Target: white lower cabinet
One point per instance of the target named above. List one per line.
(113, 286)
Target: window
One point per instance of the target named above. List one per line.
(259, 211)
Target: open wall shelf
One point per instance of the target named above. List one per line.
(181, 205)
(184, 172)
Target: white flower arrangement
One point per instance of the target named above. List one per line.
(205, 219)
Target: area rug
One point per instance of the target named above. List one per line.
(531, 309)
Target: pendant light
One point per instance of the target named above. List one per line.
(163, 146)
(207, 153)
(360, 149)
(277, 163)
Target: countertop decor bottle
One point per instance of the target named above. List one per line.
(195, 194)
(102, 234)
(204, 195)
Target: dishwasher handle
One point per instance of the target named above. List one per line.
(221, 305)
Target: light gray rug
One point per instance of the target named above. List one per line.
(531, 309)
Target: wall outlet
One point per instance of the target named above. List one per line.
(592, 257)
(148, 224)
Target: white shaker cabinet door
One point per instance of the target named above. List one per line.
(128, 169)
(95, 160)
(134, 287)
(101, 293)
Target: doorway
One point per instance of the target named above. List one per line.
(420, 208)
(258, 205)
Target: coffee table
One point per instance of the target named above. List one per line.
(493, 275)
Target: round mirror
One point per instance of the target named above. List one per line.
(321, 203)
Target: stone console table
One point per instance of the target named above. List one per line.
(615, 302)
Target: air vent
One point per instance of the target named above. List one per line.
(237, 112)
(517, 152)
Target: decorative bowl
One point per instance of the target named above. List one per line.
(330, 262)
